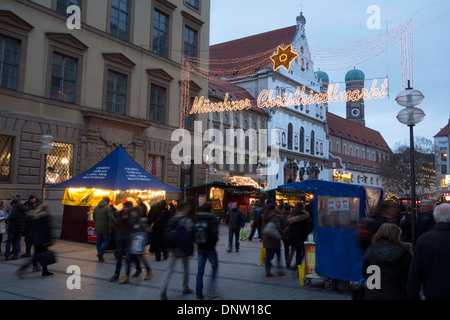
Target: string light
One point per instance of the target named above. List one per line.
(331, 58)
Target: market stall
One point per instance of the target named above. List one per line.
(221, 194)
(117, 177)
(337, 208)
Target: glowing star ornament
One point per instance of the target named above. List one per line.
(283, 58)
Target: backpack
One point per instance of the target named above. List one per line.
(205, 231)
(178, 238)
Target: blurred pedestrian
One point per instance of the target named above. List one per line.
(206, 235)
(104, 221)
(367, 227)
(425, 220)
(287, 243)
(156, 239)
(137, 246)
(41, 238)
(405, 225)
(235, 221)
(300, 224)
(272, 234)
(256, 222)
(123, 237)
(2, 224)
(431, 260)
(30, 204)
(141, 208)
(389, 254)
(17, 219)
(179, 219)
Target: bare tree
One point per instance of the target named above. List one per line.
(396, 171)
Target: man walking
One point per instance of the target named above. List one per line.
(235, 220)
(16, 226)
(104, 220)
(206, 235)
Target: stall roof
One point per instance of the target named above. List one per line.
(118, 171)
(328, 188)
(223, 185)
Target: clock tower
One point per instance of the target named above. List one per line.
(354, 80)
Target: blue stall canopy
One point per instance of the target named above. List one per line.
(117, 171)
(338, 208)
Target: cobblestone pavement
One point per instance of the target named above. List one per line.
(240, 277)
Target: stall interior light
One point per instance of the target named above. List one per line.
(73, 190)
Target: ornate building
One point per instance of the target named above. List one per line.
(300, 131)
(116, 81)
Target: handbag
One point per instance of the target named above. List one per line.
(271, 231)
(138, 243)
(47, 258)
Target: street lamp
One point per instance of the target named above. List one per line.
(46, 149)
(185, 166)
(411, 116)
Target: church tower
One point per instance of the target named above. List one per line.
(354, 80)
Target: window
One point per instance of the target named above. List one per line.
(9, 62)
(6, 144)
(59, 163)
(116, 93)
(190, 42)
(155, 166)
(290, 134)
(313, 144)
(62, 5)
(193, 3)
(443, 156)
(444, 169)
(302, 139)
(120, 19)
(160, 33)
(64, 78)
(158, 97)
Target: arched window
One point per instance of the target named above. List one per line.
(313, 143)
(290, 134)
(302, 139)
(338, 147)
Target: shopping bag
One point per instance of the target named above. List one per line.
(138, 243)
(47, 258)
(301, 274)
(243, 235)
(262, 256)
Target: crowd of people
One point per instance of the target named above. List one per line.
(412, 265)
(31, 222)
(170, 230)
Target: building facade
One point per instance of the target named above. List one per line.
(300, 131)
(115, 81)
(442, 162)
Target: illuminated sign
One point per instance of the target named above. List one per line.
(202, 105)
(284, 57)
(266, 98)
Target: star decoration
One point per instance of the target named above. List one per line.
(284, 57)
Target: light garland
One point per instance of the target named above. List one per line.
(329, 58)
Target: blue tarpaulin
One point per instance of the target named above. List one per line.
(338, 207)
(118, 171)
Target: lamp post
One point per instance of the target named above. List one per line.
(185, 166)
(209, 163)
(411, 116)
(46, 149)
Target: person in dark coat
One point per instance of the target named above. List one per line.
(256, 218)
(157, 245)
(41, 238)
(207, 228)
(272, 245)
(425, 221)
(235, 221)
(299, 226)
(431, 261)
(389, 254)
(17, 220)
(405, 225)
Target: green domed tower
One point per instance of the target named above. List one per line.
(354, 80)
